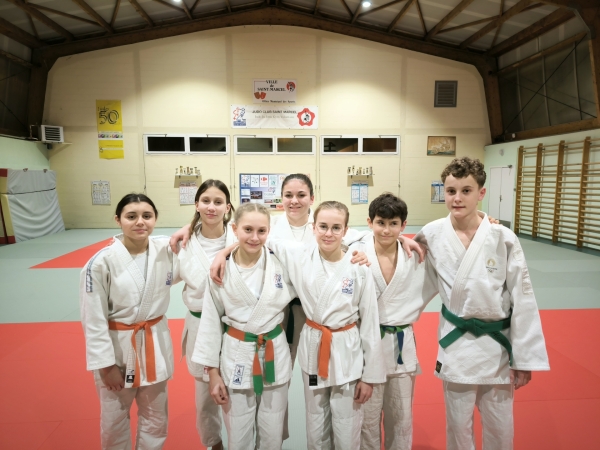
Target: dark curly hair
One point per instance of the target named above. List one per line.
(388, 206)
(463, 167)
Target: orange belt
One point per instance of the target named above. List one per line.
(150, 357)
(325, 346)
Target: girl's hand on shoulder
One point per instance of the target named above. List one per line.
(217, 388)
(494, 221)
(360, 258)
(112, 378)
(363, 392)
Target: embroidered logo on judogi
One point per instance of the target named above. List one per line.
(490, 265)
(238, 374)
(130, 376)
(438, 366)
(527, 287)
(169, 278)
(347, 286)
(278, 281)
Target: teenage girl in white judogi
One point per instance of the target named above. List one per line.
(242, 341)
(483, 279)
(339, 360)
(211, 233)
(124, 295)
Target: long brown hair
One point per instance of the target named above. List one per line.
(201, 190)
(332, 204)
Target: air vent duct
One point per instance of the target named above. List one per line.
(50, 134)
(445, 94)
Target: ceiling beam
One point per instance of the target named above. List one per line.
(172, 6)
(500, 27)
(357, 12)
(35, 31)
(228, 5)
(548, 51)
(379, 8)
(42, 18)
(540, 27)
(316, 7)
(187, 11)
(572, 3)
(61, 13)
(400, 15)
(451, 15)
(511, 12)
(466, 25)
(94, 15)
(194, 6)
(346, 7)
(421, 18)
(141, 12)
(16, 59)
(265, 16)
(115, 12)
(19, 35)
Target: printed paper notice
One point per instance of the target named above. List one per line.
(100, 193)
(187, 193)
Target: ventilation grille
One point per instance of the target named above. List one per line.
(50, 134)
(445, 94)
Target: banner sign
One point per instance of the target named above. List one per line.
(262, 188)
(282, 117)
(274, 91)
(110, 129)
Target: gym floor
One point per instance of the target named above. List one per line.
(49, 400)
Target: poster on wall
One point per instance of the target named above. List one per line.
(100, 192)
(110, 129)
(262, 188)
(437, 192)
(441, 146)
(290, 117)
(359, 193)
(187, 192)
(275, 91)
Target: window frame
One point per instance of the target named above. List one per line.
(186, 142)
(274, 144)
(360, 138)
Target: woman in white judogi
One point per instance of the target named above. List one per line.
(339, 359)
(209, 234)
(124, 295)
(241, 339)
(490, 332)
(402, 294)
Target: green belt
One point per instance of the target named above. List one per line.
(399, 331)
(289, 331)
(477, 328)
(266, 340)
(196, 314)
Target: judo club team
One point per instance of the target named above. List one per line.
(264, 293)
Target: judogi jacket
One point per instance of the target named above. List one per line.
(488, 281)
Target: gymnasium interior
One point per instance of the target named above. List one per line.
(100, 98)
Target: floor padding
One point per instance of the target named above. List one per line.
(74, 260)
(49, 400)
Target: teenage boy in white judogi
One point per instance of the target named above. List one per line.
(249, 365)
(490, 330)
(403, 290)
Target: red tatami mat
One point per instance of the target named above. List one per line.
(49, 400)
(74, 260)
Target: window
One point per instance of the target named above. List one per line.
(186, 144)
(275, 145)
(360, 144)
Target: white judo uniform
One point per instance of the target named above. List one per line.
(194, 267)
(241, 307)
(488, 281)
(334, 296)
(122, 305)
(400, 304)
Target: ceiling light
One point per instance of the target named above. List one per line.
(366, 4)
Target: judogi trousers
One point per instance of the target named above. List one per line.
(495, 404)
(152, 417)
(245, 409)
(332, 411)
(208, 416)
(395, 399)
